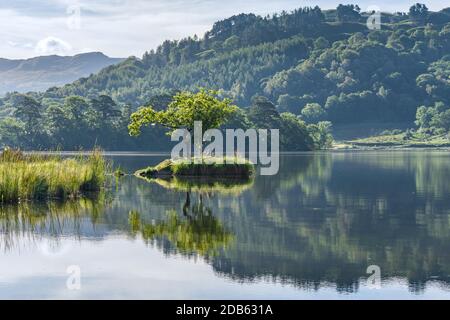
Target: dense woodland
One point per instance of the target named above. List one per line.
(300, 71)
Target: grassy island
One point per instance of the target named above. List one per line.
(38, 177)
(208, 167)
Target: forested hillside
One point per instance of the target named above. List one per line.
(313, 66)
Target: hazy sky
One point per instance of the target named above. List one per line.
(121, 28)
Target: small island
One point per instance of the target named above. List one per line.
(183, 111)
(238, 168)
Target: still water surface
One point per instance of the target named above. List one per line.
(309, 232)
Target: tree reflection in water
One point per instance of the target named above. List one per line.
(195, 231)
(326, 217)
(321, 221)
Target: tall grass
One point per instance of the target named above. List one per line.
(31, 177)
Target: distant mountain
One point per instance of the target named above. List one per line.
(42, 73)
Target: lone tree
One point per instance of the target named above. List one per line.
(185, 108)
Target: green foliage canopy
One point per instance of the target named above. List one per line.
(184, 110)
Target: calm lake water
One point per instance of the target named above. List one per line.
(309, 232)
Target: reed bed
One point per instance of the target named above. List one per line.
(37, 177)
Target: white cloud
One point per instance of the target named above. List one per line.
(52, 45)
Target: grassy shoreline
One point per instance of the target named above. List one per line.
(38, 177)
(402, 140)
